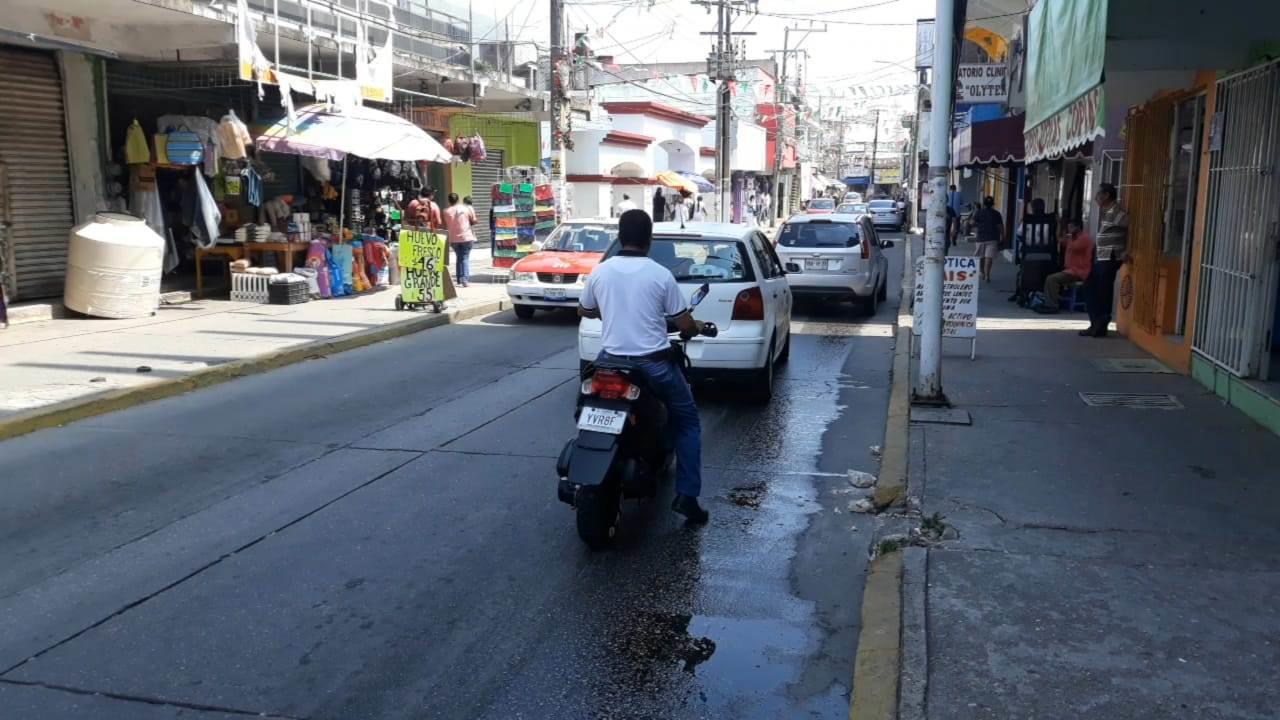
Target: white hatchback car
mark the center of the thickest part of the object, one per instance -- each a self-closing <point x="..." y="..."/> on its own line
<point x="835" y="257"/>
<point x="749" y="301"/>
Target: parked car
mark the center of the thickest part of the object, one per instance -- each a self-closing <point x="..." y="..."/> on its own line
<point x="553" y="276"/>
<point x="852" y="208"/>
<point x="835" y="257"/>
<point x="820" y="206"/>
<point x="885" y="213"/>
<point x="749" y="301"/>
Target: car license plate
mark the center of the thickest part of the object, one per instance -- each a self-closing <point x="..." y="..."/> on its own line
<point x="553" y="294"/>
<point x="602" y="420"/>
<point x="815" y="264"/>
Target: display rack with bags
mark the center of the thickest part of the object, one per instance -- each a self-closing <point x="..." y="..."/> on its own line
<point x="524" y="215"/>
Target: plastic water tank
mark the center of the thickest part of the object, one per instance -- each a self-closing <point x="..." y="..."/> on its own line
<point x="113" y="267"/>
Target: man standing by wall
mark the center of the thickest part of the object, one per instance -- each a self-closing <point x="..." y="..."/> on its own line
<point x="1112" y="250"/>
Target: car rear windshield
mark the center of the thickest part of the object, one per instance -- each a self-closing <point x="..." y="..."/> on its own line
<point x="581" y="237"/>
<point x="822" y="203"/>
<point x="851" y="209"/>
<point x="820" y="234"/>
<point x="881" y="205"/>
<point x="699" y="259"/>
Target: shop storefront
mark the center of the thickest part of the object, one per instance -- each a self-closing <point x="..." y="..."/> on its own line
<point x="229" y="181"/>
<point x="506" y="142"/>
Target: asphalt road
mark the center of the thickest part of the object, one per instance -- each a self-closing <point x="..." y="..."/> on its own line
<point x="376" y="535"/>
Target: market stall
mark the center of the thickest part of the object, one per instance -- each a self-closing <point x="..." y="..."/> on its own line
<point x="377" y="151"/>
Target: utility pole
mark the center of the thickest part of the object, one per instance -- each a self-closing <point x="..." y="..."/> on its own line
<point x="875" y="141"/>
<point x="840" y="153"/>
<point x="913" y="170"/>
<point x="928" y="389"/>
<point x="722" y="65"/>
<point x="560" y="141"/>
<point x="780" y="102"/>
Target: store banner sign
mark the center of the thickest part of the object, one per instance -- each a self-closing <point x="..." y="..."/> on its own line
<point x="1066" y="47"/>
<point x="978" y="83"/>
<point x="1080" y="122"/>
<point x="924" y="43"/>
<point x="421" y="266"/>
<point x="373" y="67"/>
<point x="889" y="176"/>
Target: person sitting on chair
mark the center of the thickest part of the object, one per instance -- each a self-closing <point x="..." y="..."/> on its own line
<point x="1077" y="254"/>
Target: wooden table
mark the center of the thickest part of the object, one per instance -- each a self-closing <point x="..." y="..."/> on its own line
<point x="285" y="252"/>
<point x="230" y="252"/>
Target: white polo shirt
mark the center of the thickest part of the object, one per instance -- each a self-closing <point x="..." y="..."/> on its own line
<point x="635" y="297"/>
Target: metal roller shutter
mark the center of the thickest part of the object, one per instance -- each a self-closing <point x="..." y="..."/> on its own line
<point x="483" y="175"/>
<point x="33" y="148"/>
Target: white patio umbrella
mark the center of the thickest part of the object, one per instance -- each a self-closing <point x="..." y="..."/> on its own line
<point x="334" y="133"/>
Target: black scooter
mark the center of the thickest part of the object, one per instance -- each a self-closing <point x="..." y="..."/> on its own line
<point x="622" y="448"/>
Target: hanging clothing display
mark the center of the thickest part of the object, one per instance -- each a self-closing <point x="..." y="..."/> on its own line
<point x="233" y="136"/>
<point x="253" y="186"/>
<point x="136" y="149"/>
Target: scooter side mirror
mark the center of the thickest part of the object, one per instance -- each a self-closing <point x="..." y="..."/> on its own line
<point x="699" y="295"/>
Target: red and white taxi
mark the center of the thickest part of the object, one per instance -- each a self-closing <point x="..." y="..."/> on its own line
<point x="553" y="276"/>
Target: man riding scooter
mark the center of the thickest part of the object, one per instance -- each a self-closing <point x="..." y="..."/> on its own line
<point x="635" y="298"/>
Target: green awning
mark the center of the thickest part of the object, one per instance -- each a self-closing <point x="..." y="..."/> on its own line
<point x="1066" y="47"/>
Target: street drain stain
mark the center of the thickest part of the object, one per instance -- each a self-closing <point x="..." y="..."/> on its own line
<point x="748" y="496"/>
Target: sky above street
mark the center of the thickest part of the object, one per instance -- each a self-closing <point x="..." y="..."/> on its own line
<point x="868" y="44"/>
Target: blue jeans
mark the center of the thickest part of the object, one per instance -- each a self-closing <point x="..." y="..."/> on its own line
<point x="463" y="251"/>
<point x="666" y="380"/>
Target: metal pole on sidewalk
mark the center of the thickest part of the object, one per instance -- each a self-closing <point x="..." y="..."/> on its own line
<point x="914" y="169"/>
<point x="875" y="142"/>
<point x="928" y="387"/>
<point x="559" y="101"/>
<point x="780" y="99"/>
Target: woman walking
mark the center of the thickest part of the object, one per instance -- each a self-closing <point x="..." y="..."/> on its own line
<point x="459" y="220"/>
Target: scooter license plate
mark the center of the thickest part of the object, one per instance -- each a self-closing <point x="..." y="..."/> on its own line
<point x="602" y="420"/>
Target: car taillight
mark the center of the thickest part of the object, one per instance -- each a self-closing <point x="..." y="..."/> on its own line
<point x="866" y="248"/>
<point x="609" y="386"/>
<point x="749" y="305"/>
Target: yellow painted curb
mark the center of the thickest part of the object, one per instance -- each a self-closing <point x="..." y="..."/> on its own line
<point x="99" y="404"/>
<point x="875" y="670"/>
<point x="892" y="486"/>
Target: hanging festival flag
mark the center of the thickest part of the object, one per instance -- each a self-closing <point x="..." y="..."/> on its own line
<point x="693" y="82"/>
<point x="733" y="87"/>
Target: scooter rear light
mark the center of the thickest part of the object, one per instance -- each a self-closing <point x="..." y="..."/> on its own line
<point x="749" y="305"/>
<point x="610" y="386"/>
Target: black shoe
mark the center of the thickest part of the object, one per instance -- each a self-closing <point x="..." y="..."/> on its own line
<point x="688" y="506"/>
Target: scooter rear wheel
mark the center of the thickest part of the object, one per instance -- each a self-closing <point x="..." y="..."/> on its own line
<point x="599" y="515"/>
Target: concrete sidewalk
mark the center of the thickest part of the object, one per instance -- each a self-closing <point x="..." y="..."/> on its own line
<point x="72" y="359"/>
<point x="1111" y="562"/>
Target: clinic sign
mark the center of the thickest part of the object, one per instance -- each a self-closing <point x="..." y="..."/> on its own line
<point x="959" y="299"/>
<point x="978" y="83"/>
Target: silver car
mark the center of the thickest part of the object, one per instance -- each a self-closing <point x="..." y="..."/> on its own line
<point x="837" y="257"/>
<point x="886" y="213"/>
